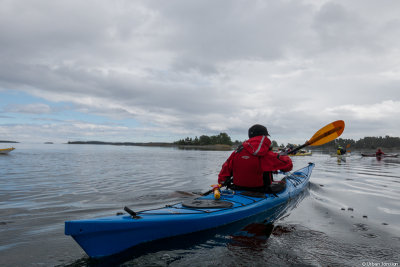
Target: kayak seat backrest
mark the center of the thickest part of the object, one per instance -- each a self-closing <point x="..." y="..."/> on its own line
<point x="207" y="204"/>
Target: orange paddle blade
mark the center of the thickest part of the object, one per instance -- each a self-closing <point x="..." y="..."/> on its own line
<point x="328" y="133"/>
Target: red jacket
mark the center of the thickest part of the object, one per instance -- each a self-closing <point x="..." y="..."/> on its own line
<point x="248" y="163"/>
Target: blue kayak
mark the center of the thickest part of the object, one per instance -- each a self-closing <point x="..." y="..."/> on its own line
<point x="106" y="236"/>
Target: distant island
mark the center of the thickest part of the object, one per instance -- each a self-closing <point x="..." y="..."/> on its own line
<point x="155" y="144"/>
<point x="3" y="141"/>
<point x="120" y="143"/>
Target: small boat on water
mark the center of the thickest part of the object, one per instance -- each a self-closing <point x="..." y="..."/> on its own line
<point x="6" y="150"/>
<point x="381" y="156"/>
<point x="302" y="153"/>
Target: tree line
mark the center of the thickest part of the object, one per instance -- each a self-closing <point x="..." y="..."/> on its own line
<point x="365" y="143"/>
<point x="221" y="139"/>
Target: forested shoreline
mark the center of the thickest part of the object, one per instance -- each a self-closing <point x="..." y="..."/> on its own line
<point x="203" y="140"/>
<point x="363" y="143"/>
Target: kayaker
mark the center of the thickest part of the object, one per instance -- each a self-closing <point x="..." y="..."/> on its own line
<point x="341" y="150"/>
<point x="379" y="153"/>
<point x="253" y="163"/>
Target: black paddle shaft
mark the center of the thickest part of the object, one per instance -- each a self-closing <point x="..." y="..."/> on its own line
<point x="313" y="140"/>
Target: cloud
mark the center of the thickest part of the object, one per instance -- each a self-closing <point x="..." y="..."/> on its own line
<point x="191" y="68"/>
<point x="373" y="113"/>
<point x="37" y="108"/>
<point x="203" y="37"/>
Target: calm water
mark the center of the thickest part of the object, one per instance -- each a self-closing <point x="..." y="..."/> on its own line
<point x="350" y="216"/>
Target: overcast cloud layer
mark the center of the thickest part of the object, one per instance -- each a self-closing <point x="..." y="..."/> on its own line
<point x="164" y="70"/>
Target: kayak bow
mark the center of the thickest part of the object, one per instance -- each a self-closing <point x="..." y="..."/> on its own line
<point x="6" y="150"/>
<point x="111" y="235"/>
<point x="308" y="153"/>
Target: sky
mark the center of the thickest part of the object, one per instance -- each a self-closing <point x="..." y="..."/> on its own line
<point x="159" y="71"/>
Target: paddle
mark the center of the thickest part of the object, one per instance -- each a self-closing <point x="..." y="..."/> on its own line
<point x="324" y="135"/>
<point x="347" y="148"/>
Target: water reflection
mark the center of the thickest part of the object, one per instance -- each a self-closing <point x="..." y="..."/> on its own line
<point x="252" y="236"/>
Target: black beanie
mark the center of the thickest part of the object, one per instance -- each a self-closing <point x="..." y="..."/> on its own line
<point x="257" y="130"/>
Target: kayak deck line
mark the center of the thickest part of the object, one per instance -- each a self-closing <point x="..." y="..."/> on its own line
<point x="106" y="236"/>
<point x="293" y="178"/>
<point x="178" y="206"/>
<point x="224" y="193"/>
<point x="296" y="180"/>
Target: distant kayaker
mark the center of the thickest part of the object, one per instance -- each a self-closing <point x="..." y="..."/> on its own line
<point x="379" y="153"/>
<point x="253" y="163"/>
<point x="341" y="150"/>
